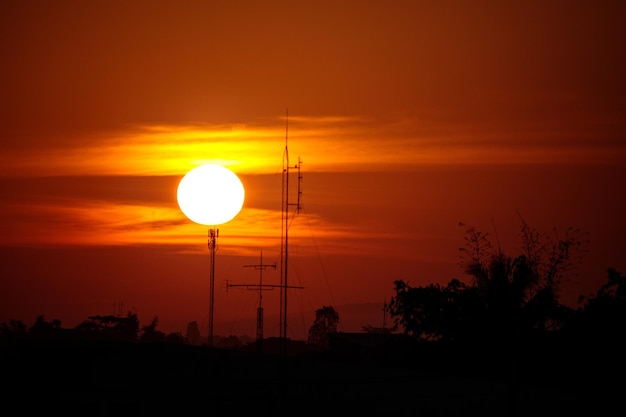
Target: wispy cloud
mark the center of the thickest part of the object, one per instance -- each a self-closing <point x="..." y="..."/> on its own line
<point x="89" y="222"/>
<point x="327" y="144"/>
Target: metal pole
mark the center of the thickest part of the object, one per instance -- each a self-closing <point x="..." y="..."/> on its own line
<point x="213" y="234"/>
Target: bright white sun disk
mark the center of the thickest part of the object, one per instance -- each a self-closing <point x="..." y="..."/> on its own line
<point x="210" y="194"/>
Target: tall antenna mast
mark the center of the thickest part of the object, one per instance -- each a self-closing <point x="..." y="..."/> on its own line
<point x="284" y="249"/>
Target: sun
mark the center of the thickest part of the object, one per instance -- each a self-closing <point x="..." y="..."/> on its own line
<point x="210" y="194"/>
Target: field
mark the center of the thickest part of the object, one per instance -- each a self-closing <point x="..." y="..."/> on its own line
<point x="136" y="379"/>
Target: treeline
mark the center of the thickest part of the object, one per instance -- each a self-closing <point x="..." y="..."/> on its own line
<point x="507" y="322"/>
<point x="98" y="328"/>
<point x="110" y="328"/>
<point x="510" y="297"/>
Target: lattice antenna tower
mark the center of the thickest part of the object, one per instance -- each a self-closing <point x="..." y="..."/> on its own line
<point x="284" y="248"/>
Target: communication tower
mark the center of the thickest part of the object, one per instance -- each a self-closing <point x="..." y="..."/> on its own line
<point x="260" y="287"/>
<point x="285" y="220"/>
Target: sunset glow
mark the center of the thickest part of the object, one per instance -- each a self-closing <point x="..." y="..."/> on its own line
<point x="405" y="118"/>
<point x="335" y="145"/>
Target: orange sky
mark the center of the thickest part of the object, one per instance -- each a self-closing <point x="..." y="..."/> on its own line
<point x="409" y="117"/>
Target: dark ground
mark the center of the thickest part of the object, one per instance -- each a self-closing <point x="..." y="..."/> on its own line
<point x="139" y="379"/>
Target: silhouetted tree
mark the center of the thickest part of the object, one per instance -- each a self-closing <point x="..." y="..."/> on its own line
<point x="507" y="295"/>
<point x="326" y="321"/>
<point x="112" y="328"/>
<point x="149" y="333"/>
<point x="175" y="338"/>
<point x="522" y="292"/>
<point x="192" y="336"/>
<point x="228" y="342"/>
<point x="603" y="314"/>
<point x="44" y="329"/>
<point x="434" y="312"/>
<point x="12" y="331"/>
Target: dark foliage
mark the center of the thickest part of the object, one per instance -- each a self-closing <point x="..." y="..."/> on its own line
<point x="507" y="296"/>
<point x="505" y="326"/>
<point x="110" y="327"/>
<point x="149" y="333"/>
<point x="602" y="316"/>
<point x="326" y="322"/>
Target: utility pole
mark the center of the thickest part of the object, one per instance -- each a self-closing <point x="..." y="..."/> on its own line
<point x="260" y="287"/>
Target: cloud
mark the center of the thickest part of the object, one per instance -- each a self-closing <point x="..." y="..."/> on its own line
<point x="326" y="144"/>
